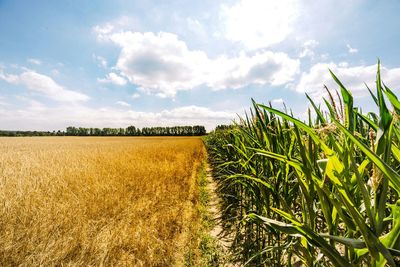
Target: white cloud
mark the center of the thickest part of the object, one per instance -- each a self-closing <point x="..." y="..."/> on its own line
<point x="10" y="78"/>
<point x="136" y="96"/>
<point x="353" y="77"/>
<point x="259" y="23"/>
<point x="195" y="112"/>
<point x="114" y="79"/>
<point x="308" y="49"/>
<point x="102" y="31"/>
<point x="35" y="116"/>
<point x="123" y="22"/>
<point x="34" y="61"/>
<point x="123" y="103"/>
<point x="32" y="105"/>
<point x="351" y="50"/>
<point x="162" y="65"/>
<point x="45" y="85"/>
<point x="262" y="68"/>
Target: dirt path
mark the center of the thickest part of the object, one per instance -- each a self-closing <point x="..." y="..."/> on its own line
<point x="214" y="208"/>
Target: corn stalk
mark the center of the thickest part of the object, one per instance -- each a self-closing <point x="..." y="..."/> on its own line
<point x="321" y="193"/>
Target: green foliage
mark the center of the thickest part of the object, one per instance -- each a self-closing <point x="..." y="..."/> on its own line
<point x="321" y="193"/>
<point x="133" y="131"/>
<point x="196" y="130"/>
<point x="31" y="133"/>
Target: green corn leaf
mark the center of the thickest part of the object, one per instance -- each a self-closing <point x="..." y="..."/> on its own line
<point x="372" y="95"/>
<point x="392" y="98"/>
<point x="297" y="228"/>
<point x="396" y="152"/>
<point x="250" y="178"/>
<point x="351" y="242"/>
<point x="363" y="188"/>
<point x="359" y="243"/>
<point x="330" y="108"/>
<point x="317" y="110"/>
<point x="385" y="116"/>
<point x="294" y="163"/>
<point x="393" y="176"/>
<point x="334" y="169"/>
<point x="368" y="121"/>
<point x="392" y="239"/>
<point x="372" y="242"/>
<point x="348" y="101"/>
<point x="303" y="126"/>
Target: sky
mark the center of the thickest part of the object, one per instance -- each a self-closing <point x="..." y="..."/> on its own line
<point x="163" y="63"/>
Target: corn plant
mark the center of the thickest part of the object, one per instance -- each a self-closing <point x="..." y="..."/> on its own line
<point x="321" y="192"/>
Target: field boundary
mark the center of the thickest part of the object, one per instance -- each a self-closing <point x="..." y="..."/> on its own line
<point x="214" y="249"/>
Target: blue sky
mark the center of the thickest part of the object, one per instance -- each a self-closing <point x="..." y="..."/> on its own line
<point x="147" y="63"/>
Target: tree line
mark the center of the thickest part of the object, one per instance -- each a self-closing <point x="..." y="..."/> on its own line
<point x="196" y="130"/>
<point x="31" y="133"/>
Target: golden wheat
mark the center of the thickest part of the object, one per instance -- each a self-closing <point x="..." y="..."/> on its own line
<point x="98" y="201"/>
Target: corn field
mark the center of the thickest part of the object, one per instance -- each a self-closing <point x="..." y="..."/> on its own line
<point x="324" y="192"/>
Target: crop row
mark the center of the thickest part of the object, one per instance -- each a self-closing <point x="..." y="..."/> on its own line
<point x="324" y="192"/>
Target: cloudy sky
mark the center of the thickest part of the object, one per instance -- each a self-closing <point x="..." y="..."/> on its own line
<point x="146" y="63"/>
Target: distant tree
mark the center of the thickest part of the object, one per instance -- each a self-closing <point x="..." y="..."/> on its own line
<point x="131" y="130"/>
<point x="72" y="131"/>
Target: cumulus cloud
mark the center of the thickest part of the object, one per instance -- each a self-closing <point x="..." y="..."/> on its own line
<point x="159" y="63"/>
<point x="257" y="24"/>
<point x="353" y="77"/>
<point x="162" y="65"/>
<point x="113" y="78"/>
<point x="263" y="68"/>
<point x="351" y="50"/>
<point x="44" y="85"/>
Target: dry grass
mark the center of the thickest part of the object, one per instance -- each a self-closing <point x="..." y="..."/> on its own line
<point x="98" y="201"/>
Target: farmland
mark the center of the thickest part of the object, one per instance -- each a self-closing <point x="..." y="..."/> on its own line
<point x="96" y="201"/>
<point x="322" y="191"/>
<point x="318" y="192"/>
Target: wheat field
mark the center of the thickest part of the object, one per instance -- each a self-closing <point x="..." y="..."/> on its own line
<point x="115" y="201"/>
